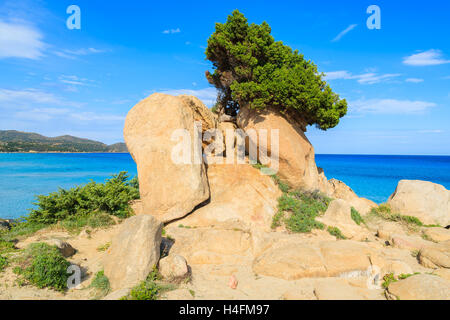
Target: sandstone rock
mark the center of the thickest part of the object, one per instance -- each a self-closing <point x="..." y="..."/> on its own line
<point x="443" y="273"/>
<point x="173" y="268"/>
<point x="134" y="251"/>
<point x="339" y="190"/>
<point x="291" y="260"/>
<point x="411" y="243"/>
<point x="117" y="295"/>
<point x="241" y="197"/>
<point x="437" y="234"/>
<point x="65" y="248"/>
<point x="339" y="289"/>
<point x="210" y="246"/>
<point x="429" y="202"/>
<point x="296" y="154"/>
<point x="420" y="287"/>
<point x="387" y="229"/>
<point x="397" y="267"/>
<point x="436" y="256"/>
<point x="338" y="215"/>
<point x="170" y="188"/>
<point x="178" y="294"/>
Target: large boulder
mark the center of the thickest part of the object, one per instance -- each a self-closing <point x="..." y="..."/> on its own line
<point x="134" y="251"/>
<point x="169" y="188"/>
<point x="420" y="287"/>
<point x="297" y="165"/>
<point x="429" y="202"/>
<point x="241" y="197"/>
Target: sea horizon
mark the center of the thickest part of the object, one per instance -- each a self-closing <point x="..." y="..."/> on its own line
<point x="372" y="176"/>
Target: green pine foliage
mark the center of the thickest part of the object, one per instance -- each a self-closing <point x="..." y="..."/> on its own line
<point x="252" y="69"/>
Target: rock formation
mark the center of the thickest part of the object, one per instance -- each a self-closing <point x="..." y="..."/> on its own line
<point x="427" y="201"/>
<point x="169" y="189"/>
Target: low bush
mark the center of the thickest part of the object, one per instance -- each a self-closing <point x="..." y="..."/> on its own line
<point x="148" y="289"/>
<point x="111" y="197"/>
<point x="43" y="266"/>
<point x="384" y="211"/>
<point x="302" y="208"/>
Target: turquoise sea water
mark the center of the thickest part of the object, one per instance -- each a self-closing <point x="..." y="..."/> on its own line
<point x="22" y="176"/>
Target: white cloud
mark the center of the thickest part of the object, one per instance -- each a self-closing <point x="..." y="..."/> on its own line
<point x="365" y="78"/>
<point x="171" y="31"/>
<point x="207" y="95"/>
<point x="19" y="40"/>
<point x="427" y="58"/>
<point x="390" y="106"/>
<point x="75" y="80"/>
<point x="91" y="116"/>
<point x="72" y="54"/>
<point x="344" y="32"/>
<point x="414" y="80"/>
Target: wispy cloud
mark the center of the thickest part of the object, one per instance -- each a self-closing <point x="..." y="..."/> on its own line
<point x="390" y="106"/>
<point x="73" y="54"/>
<point x="75" y="80"/>
<point x="20" y="40"/>
<point x="365" y="78"/>
<point x="171" y="31"/>
<point x="427" y="58"/>
<point x="344" y="32"/>
<point x="414" y="80"/>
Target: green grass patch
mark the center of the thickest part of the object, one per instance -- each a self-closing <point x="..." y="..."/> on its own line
<point x="384" y="211"/>
<point x="3" y="263"/>
<point x="335" y="231"/>
<point x="407" y="275"/>
<point x="43" y="266"/>
<point x="101" y="284"/>
<point x="356" y="216"/>
<point x="104" y="247"/>
<point x="301" y="208"/>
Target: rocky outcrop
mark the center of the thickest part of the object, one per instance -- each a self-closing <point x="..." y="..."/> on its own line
<point x="297" y="165"/>
<point x="241" y="197"/>
<point x="171" y="186"/>
<point x="427" y="201"/>
<point x="436" y="256"/>
<point x="134" y="252"/>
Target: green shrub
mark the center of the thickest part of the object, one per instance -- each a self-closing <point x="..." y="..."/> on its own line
<point x="101" y="284"/>
<point x="43" y="266"/>
<point x="302" y="207"/>
<point x="111" y="197"/>
<point x="335" y="231"/>
<point x="6" y="246"/>
<point x="356" y="216"/>
<point x="148" y="289"/>
<point x="3" y="262"/>
<point x="407" y="275"/>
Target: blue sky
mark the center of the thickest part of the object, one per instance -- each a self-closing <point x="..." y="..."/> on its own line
<point x="58" y="81"/>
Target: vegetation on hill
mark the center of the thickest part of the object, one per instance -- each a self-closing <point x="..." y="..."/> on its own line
<point x="252" y="69"/>
<point x="16" y="141"/>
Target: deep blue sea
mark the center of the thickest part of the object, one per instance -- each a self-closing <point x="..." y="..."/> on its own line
<point x="22" y="176"/>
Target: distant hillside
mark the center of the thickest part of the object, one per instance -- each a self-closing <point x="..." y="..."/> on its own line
<point x="16" y="141"/>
